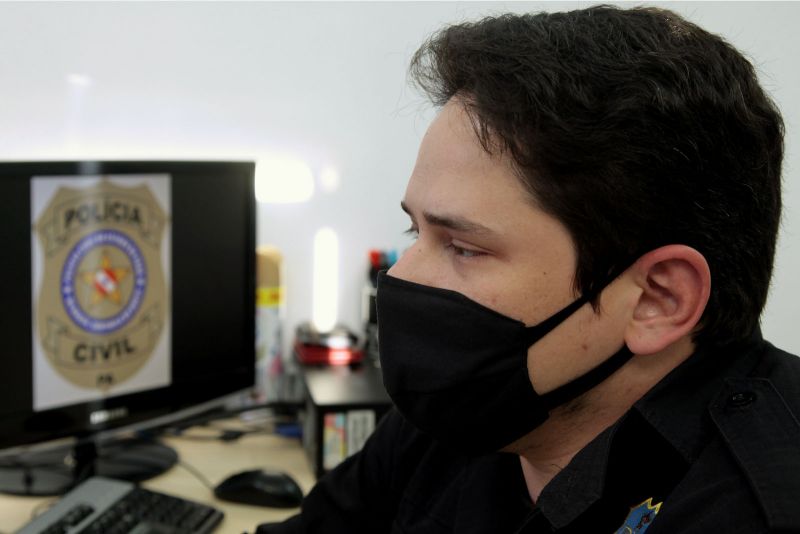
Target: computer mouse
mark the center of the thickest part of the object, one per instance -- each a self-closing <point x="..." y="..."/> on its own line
<point x="273" y="489"/>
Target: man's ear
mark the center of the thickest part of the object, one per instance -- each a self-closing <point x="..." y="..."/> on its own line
<point x="675" y="283"/>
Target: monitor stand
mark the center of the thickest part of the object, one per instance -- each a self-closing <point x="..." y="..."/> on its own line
<point x="55" y="471"/>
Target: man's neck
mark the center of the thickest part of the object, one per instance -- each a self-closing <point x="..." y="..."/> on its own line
<point x="550" y="447"/>
<point x="568" y="430"/>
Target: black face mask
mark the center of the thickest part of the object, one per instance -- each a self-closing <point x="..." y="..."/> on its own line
<point x="458" y="371"/>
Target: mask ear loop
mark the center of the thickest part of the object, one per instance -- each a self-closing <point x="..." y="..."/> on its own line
<point x="537" y="332"/>
<point x="582" y="384"/>
<point x="590" y="379"/>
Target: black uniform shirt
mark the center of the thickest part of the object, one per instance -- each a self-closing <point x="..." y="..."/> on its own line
<point x="714" y="447"/>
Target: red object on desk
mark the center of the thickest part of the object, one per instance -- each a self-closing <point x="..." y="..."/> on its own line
<point x="310" y="354"/>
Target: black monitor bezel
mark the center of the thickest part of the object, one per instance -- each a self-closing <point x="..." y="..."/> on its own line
<point x="32" y="428"/>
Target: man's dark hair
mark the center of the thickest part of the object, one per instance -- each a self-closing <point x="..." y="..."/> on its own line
<point x="634" y="128"/>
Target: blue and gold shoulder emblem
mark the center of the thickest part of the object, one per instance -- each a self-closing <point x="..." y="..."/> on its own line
<point x="640" y="518"/>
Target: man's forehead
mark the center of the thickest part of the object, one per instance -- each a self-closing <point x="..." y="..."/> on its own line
<point x="452" y="144"/>
<point x="450" y="138"/>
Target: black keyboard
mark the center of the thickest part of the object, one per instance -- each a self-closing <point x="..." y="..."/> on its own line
<point x="105" y="506"/>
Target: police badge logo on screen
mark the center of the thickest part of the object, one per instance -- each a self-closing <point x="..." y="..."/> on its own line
<point x="100" y="298"/>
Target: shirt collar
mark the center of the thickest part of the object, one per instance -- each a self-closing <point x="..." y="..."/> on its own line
<point x="576" y="487"/>
<point x="676" y="408"/>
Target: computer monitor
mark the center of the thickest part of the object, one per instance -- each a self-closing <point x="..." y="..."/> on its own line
<point x="128" y="296"/>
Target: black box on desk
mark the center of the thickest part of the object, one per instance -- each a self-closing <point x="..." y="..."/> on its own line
<point x="343" y="406"/>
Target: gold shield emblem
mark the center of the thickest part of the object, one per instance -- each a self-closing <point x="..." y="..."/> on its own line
<point x="103" y="298"/>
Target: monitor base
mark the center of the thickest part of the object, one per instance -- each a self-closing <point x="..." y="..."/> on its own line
<point x="55" y="471"/>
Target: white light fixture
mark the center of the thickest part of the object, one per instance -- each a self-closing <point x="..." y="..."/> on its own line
<point x="329" y="180"/>
<point x="79" y="80"/>
<point x="283" y="180"/>
<point x="325" y="297"/>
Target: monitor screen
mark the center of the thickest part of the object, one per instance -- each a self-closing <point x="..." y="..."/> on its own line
<point x="128" y="292"/>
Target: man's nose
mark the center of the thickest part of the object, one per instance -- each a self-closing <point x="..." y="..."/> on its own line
<point x="416" y="264"/>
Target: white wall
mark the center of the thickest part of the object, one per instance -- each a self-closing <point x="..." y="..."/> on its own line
<point x="324" y="82"/>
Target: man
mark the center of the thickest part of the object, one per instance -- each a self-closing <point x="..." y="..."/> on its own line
<point x="572" y="342"/>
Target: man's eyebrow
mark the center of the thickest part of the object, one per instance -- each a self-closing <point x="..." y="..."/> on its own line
<point x="458" y="224"/>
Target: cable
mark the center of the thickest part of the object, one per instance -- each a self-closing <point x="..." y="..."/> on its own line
<point x="224" y="434"/>
<point x="288" y="409"/>
<point x="259" y="423"/>
<point x="196" y="472"/>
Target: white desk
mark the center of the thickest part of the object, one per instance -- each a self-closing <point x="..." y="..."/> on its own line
<point x="215" y="460"/>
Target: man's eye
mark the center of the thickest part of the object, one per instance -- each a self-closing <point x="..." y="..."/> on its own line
<point x="464" y="252"/>
<point x="412" y="232"/>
